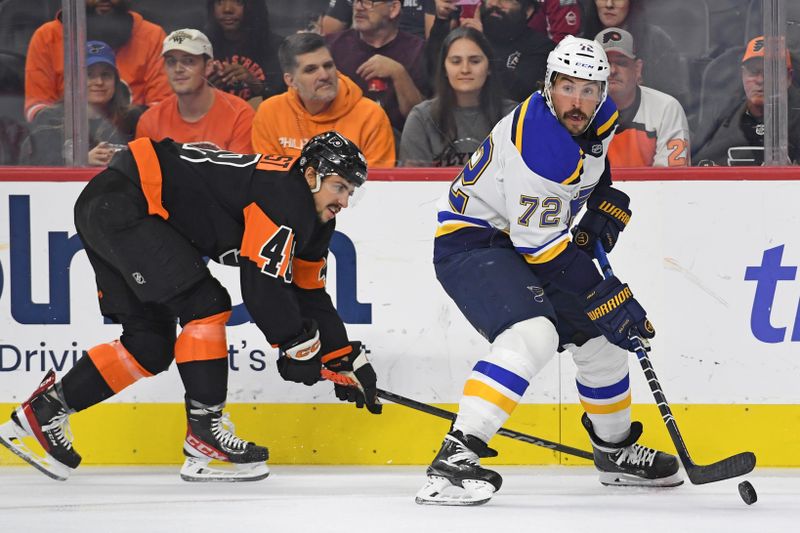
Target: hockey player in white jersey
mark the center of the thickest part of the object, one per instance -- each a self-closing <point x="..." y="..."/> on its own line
<point x="505" y="254"/>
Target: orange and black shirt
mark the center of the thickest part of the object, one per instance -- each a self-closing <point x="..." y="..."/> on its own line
<point x="251" y="210"/>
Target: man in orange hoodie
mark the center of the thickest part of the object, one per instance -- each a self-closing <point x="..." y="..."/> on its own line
<point x="136" y="43"/>
<point x="320" y="99"/>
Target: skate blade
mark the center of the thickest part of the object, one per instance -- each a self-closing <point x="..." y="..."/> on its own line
<point x="439" y="491"/>
<point x="11" y="436"/>
<point x="199" y="470"/>
<point x="619" y="479"/>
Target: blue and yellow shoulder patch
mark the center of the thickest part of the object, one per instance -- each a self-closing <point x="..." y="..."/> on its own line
<point x="545" y="146"/>
<point x="606" y="119"/>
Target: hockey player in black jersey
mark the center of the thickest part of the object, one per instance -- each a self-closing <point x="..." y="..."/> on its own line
<point x="146" y="223"/>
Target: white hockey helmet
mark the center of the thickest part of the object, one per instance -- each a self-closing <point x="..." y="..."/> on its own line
<point x="580" y="58"/>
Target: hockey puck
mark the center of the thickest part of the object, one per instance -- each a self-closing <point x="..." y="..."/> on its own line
<point x="748" y="493"/>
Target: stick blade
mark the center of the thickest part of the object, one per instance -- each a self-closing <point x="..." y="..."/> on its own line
<point x="734" y="466"/>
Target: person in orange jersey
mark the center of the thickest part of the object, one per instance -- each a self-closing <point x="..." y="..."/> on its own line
<point x="147" y="222"/>
<point x="196" y="112"/>
<point x="135" y="41"/>
<point x="319" y="99"/>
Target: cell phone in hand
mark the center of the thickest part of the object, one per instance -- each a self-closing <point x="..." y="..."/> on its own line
<point x="467" y="2"/>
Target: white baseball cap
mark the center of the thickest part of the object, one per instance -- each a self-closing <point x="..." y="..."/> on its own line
<point x="188" y="40"/>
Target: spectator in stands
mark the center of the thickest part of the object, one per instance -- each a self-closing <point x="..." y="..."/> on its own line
<point x="388" y="64"/>
<point x="519" y="53"/>
<point x="735" y="136"/>
<point x="557" y="19"/>
<point x="339" y="16"/>
<point x="663" y="69"/>
<point x="445" y="130"/>
<point x="245" y="49"/>
<point x="554" y="18"/>
<point x="320" y="99"/>
<point x="196" y="112"/>
<point x="136" y="42"/>
<point x="653" y="130"/>
<point x="112" y="120"/>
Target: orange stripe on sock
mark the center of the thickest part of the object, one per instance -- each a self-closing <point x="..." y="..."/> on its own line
<point x="595" y="409"/>
<point x="117" y="365"/>
<point x="203" y="339"/>
<point x="149" y="175"/>
<point x="482" y="390"/>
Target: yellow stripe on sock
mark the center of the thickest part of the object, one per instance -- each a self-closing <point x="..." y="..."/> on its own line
<point x="485" y="392"/>
<point x="594" y="409"/>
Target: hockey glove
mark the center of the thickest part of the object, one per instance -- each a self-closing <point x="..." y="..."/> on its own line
<point x="298" y="359"/>
<point x="606" y="215"/>
<point x="355" y="379"/>
<point x="612" y="308"/>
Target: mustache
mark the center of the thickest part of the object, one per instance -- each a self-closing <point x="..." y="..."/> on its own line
<point x="580" y="114"/>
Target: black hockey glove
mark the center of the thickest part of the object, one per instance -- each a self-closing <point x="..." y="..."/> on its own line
<point x="298" y="359"/>
<point x="357" y="380"/>
<point x="616" y="313"/>
<point x="606" y="215"/>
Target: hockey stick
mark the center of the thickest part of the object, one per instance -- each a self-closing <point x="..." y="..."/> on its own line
<point x="449" y="415"/>
<point x="736" y="465"/>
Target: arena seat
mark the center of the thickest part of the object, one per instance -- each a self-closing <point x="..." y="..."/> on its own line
<point x="20" y="18"/>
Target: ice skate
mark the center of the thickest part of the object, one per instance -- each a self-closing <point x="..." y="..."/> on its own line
<point x="210" y="436"/>
<point x="43" y="417"/>
<point x="630" y="464"/>
<point x="455" y="477"/>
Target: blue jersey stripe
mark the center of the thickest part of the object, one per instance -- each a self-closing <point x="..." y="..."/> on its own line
<point x="536" y="249"/>
<point x="444" y="216"/>
<point x="604" y="393"/>
<point x="506" y="378"/>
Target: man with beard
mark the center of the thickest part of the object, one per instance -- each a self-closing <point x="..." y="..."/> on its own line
<point x="503" y="252"/>
<point x="519" y="52"/>
<point x="197" y="112"/>
<point x="388" y="64"/>
<point x="136" y="43"/>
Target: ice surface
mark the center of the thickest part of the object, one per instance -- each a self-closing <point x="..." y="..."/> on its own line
<point x="381" y="500"/>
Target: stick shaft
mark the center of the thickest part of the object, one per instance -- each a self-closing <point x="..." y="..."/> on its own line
<point x="510" y="433"/>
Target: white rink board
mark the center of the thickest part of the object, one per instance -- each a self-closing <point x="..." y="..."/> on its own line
<point x="684" y="255"/>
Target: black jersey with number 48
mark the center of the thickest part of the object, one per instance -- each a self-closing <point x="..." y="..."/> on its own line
<point x="253" y="210"/>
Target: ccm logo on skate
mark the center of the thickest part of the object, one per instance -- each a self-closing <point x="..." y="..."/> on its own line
<point x="205" y="449"/>
<point x="64" y="245"/>
<point x="767" y="275"/>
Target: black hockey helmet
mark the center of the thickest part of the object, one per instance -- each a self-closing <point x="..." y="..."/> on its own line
<point x="332" y="153"/>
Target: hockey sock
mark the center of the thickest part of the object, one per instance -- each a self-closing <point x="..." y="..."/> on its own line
<point x="201" y="352"/>
<point x="491" y="393"/>
<point x="205" y="381"/>
<point x="497" y="383"/>
<point x="83" y="386"/>
<point x="604" y="387"/>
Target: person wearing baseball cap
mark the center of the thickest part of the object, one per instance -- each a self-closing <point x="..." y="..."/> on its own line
<point x="196" y="112"/>
<point x="735" y="136"/>
<point x="653" y="129"/>
<point x="112" y="118"/>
